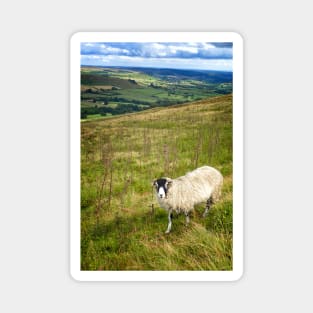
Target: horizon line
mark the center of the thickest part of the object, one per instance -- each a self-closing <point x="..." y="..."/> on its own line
<point x="155" y="67"/>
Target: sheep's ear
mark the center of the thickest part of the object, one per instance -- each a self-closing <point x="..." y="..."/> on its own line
<point x="154" y="183"/>
<point x="169" y="182"/>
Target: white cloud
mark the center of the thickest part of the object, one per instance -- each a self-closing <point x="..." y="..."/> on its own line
<point x="207" y="46"/>
<point x="112" y="50"/>
<point x="175" y="49"/>
<point x="115" y="60"/>
<point x="177" y="55"/>
<point x="154" y="50"/>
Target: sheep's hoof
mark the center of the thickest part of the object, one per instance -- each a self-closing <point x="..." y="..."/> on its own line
<point x="167" y="232"/>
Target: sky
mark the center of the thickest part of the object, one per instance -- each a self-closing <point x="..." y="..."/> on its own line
<point x="192" y="55"/>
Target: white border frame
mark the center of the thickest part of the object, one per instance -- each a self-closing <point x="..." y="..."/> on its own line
<point x="75" y="263"/>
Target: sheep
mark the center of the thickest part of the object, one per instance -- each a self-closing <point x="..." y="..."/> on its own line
<point x="183" y="193"/>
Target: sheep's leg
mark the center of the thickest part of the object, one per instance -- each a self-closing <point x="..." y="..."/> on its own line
<point x="207" y="207"/>
<point x="169" y="226"/>
<point x="187" y="218"/>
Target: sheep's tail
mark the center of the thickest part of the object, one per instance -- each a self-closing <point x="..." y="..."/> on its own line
<point x="217" y="193"/>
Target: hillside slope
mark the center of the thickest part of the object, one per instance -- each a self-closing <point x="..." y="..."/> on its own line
<point x="122" y="227"/>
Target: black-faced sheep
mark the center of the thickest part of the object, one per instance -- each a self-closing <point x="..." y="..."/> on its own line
<point x="183" y="193"/>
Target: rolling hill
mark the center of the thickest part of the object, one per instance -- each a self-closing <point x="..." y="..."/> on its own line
<point x="109" y="91"/>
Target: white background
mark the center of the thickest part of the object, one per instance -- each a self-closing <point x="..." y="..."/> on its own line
<point x="34" y="156"/>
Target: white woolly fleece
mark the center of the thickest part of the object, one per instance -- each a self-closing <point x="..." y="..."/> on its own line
<point x="193" y="188"/>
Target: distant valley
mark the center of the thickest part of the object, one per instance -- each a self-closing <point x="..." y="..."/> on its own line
<point x="107" y="91"/>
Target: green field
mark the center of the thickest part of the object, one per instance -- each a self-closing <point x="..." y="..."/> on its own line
<point x="122" y="226"/>
<point x="137" y="89"/>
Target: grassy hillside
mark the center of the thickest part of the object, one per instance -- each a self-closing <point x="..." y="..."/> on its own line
<point x="104" y="80"/>
<point x="122" y="227"/>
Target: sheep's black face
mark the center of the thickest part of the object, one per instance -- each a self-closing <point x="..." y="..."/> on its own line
<point x="161" y="186"/>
